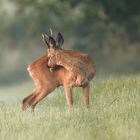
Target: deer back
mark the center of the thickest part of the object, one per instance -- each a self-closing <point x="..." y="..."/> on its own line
<point x="43" y="77"/>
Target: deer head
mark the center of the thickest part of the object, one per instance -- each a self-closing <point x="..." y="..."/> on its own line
<point x="53" y="46"/>
<point x="59" y="41"/>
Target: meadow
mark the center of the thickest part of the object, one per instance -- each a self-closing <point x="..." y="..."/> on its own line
<point x="114" y="112"/>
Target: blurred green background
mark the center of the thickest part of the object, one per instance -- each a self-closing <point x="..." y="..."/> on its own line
<point x="109" y="30"/>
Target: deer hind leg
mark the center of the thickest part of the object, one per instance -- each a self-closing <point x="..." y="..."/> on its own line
<point x="69" y="98"/>
<point x="26" y="100"/>
<point x="86" y="95"/>
<point x="41" y="95"/>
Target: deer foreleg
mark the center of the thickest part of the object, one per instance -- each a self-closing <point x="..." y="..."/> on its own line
<point x="86" y="95"/>
<point x="68" y="94"/>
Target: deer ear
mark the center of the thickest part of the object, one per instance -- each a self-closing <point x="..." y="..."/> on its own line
<point x="52" y="42"/>
<point x="59" y="40"/>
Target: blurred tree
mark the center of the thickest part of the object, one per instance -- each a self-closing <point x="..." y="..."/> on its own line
<point x="81" y="18"/>
<point x="125" y="13"/>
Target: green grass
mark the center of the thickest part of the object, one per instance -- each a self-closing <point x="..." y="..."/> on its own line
<point x="114" y="114"/>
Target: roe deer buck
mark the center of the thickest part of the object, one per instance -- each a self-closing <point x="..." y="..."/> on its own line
<point x="46" y="81"/>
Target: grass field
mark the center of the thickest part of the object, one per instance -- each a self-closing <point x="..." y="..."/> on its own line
<point x="114" y="113"/>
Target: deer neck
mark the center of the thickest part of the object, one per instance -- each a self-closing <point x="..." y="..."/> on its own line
<point x="63" y="59"/>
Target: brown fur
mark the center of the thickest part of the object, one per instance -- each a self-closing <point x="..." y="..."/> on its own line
<point x="80" y="65"/>
<point x="46" y="82"/>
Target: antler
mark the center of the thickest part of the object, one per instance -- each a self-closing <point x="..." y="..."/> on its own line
<point x="51" y="32"/>
<point x="45" y="39"/>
